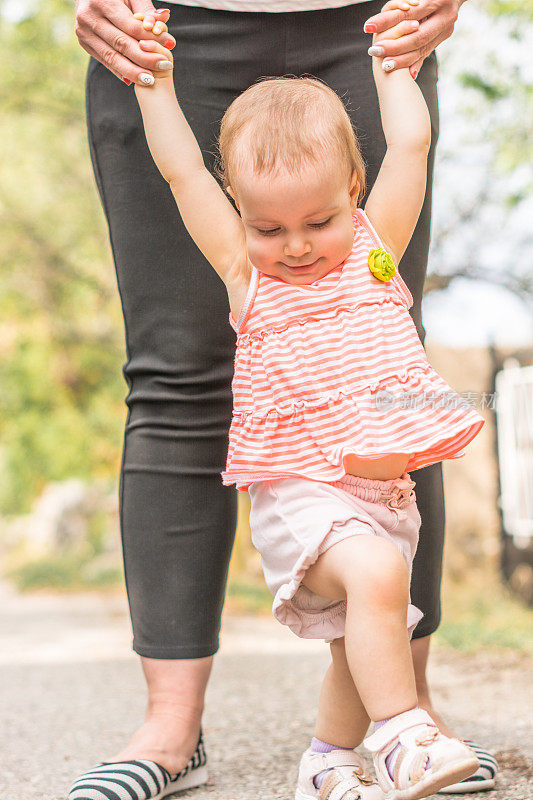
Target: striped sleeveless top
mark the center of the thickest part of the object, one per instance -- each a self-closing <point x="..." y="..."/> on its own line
<point x="336" y="368"/>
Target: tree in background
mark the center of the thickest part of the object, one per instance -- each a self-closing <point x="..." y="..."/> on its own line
<point x="483" y="204"/>
<point x="61" y="340"/>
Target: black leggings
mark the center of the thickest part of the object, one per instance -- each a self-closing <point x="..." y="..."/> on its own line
<point x="177" y="518"/>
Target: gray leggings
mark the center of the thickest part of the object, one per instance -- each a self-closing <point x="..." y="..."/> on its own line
<point x="177" y="518"/>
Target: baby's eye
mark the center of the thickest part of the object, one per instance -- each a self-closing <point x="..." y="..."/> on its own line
<point x="320" y="224"/>
<point x="268" y="231"/>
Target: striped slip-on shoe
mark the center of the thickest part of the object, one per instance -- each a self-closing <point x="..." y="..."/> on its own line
<point x="139" y="780"/>
<point x="482" y="780"/>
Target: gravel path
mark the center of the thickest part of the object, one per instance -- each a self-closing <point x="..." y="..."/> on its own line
<point x="71" y="692"/>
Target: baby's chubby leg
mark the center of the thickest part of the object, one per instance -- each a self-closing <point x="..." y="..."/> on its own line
<point x="342" y="717"/>
<point x="373" y="577"/>
<point x="411" y="758"/>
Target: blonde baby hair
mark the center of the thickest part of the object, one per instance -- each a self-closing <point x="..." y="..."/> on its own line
<point x="287" y="123"/>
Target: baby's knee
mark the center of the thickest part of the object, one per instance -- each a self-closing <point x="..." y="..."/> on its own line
<point x="383" y="579"/>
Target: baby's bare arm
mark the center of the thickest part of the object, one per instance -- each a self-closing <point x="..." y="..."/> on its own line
<point x="206" y="212"/>
<point x="396" y="198"/>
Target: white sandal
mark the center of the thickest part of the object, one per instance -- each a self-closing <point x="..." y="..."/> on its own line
<point x="483" y="779"/>
<point x="348" y="780"/>
<point x="450" y="760"/>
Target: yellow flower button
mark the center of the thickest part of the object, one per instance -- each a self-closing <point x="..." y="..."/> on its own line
<point x="381" y="264"/>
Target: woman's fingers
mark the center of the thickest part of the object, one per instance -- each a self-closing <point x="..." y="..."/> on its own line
<point x="109" y="32"/>
<point x="402" y="30"/>
<point x="414" y="69"/>
<point x="409" y="50"/>
<point x="400" y="5"/>
<point x="442" y="13"/>
<point x="163" y="60"/>
<point x="389" y="18"/>
<point x="146" y="7"/>
<point x="159" y="52"/>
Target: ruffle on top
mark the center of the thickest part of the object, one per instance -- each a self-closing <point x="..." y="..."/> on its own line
<point x="417" y="414"/>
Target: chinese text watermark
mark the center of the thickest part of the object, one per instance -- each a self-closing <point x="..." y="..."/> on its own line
<point x="385" y="399"/>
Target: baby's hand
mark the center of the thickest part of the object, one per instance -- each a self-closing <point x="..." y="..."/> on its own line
<point x="163" y="67"/>
<point x="151" y="24"/>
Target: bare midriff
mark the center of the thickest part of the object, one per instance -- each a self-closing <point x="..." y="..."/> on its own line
<point x="379" y="469"/>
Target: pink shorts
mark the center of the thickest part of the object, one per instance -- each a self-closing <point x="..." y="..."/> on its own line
<point x="294" y="520"/>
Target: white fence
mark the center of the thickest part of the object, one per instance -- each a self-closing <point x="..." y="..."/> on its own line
<point x="514" y="412"/>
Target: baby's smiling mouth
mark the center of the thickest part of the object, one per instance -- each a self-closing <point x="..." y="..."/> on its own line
<point x="301" y="266"/>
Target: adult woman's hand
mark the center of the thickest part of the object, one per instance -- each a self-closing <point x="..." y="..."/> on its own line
<point x="109" y="31"/>
<point x="436" y="22"/>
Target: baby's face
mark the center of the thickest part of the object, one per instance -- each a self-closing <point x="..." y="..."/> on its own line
<point x="298" y="227"/>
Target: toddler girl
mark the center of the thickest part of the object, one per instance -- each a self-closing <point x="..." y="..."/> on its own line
<point x="334" y="399"/>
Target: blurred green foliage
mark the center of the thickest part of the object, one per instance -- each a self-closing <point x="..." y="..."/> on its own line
<point x="65" y="571"/>
<point x="483" y="614"/>
<point x="61" y="340"/>
<point x="503" y="88"/>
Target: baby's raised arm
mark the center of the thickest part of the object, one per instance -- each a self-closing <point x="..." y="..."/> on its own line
<point x="207" y="214"/>
<point x="395" y="201"/>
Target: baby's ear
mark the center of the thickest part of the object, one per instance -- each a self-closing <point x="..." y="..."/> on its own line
<point x="233" y="196"/>
<point x="354" y="190"/>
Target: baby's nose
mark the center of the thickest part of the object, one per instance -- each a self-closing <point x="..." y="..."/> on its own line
<point x="297" y="247"/>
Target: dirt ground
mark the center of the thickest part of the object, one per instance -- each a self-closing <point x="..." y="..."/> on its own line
<point x="71" y="692"/>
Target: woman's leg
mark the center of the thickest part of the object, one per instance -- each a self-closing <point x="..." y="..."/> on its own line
<point x="177" y="518"/>
<point x="420" y="651"/>
<point x="169" y="733"/>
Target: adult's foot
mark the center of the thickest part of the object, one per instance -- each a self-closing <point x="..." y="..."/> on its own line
<point x="168" y="742"/>
<point x="169" y="734"/>
<point x="140" y="779"/>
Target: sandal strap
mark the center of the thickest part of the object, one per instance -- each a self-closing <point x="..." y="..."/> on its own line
<point x="390" y="731"/>
<point x="336" y="758"/>
<point x="337" y="787"/>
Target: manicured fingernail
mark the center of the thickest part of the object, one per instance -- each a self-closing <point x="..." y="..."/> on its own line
<point x="126" y="81"/>
<point x="388" y="65"/>
<point x="370" y="27"/>
<point x="376" y="50"/>
<point x="139" y="15"/>
<point x="148" y="80"/>
<point x="164" y="65"/>
<point x="170" y="45"/>
<point x="414" y="74"/>
<point x="159" y="27"/>
<point x="147" y="25"/>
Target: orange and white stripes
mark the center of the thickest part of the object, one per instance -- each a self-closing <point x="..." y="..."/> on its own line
<point x="336" y="368"/>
